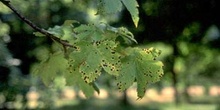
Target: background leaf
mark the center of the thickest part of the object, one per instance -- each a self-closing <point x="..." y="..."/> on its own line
<point x="132" y="7"/>
<point x="109" y="7"/>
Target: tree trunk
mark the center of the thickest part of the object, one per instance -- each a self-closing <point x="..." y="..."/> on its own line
<point x="124" y="100"/>
<point x="174" y="73"/>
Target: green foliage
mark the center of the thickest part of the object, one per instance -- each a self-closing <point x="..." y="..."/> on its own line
<point x="96" y="50"/>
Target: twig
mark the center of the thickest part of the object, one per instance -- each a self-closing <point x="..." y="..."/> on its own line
<point x="63" y="42"/>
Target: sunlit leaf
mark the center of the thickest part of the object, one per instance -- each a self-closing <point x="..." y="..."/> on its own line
<point x="67" y="31"/>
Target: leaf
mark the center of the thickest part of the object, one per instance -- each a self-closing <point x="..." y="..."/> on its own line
<point x="141" y="66"/>
<point x="88" y="32"/>
<point x="67" y="31"/>
<point x="87" y="59"/>
<point x="38" y="34"/>
<point x="132" y="7"/>
<point x="90" y="58"/>
<point x="109" y="7"/>
<point x="56" y="31"/>
<point x="69" y="22"/>
<point x="126" y="35"/>
<point x="112" y="33"/>
<point x="73" y="77"/>
<point x="49" y="68"/>
<point x="110" y="58"/>
<point x="95" y="86"/>
<point x="64" y="32"/>
<point x="127" y="74"/>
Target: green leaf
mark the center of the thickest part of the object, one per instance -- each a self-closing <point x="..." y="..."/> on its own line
<point x="112" y="33"/>
<point x="56" y="31"/>
<point x="88" y="32"/>
<point x="126" y="35"/>
<point x="90" y="58"/>
<point x="67" y="31"/>
<point x="132" y="7"/>
<point x="110" y="58"/>
<point x="73" y="77"/>
<point x="139" y="65"/>
<point x="87" y="60"/>
<point x="95" y="86"/>
<point x="87" y="89"/>
<point x="54" y="65"/>
<point x="69" y="22"/>
<point x="109" y="7"/>
<point x="64" y="32"/>
<point x="38" y="34"/>
<point x="127" y="74"/>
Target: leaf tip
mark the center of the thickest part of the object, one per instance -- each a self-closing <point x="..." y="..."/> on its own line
<point x="136" y="20"/>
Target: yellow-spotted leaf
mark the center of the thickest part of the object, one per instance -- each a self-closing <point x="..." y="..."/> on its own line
<point x="140" y="66"/>
<point x="74" y="77"/>
<point x="87" y="60"/>
<point x="110" y="60"/>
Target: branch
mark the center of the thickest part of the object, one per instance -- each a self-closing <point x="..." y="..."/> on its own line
<point x="63" y="42"/>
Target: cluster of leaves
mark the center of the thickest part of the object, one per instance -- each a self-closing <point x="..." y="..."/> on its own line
<point x="96" y="49"/>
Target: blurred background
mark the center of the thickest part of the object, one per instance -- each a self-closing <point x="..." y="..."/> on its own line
<point x="187" y="32"/>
